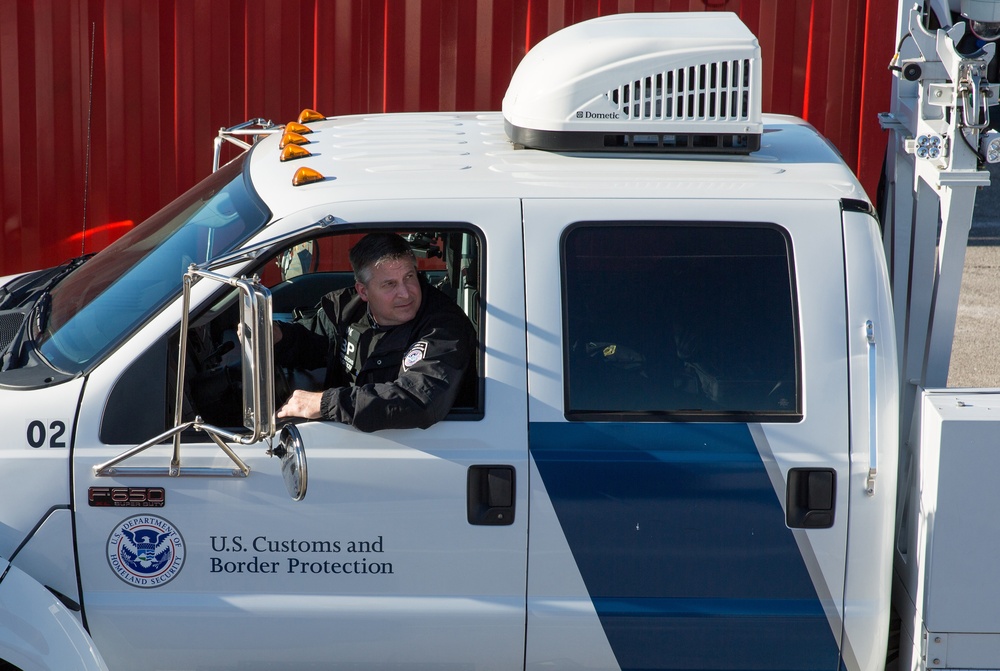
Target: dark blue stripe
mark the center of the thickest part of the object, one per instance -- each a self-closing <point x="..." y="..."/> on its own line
<point x="761" y="608"/>
<point x="681" y="541"/>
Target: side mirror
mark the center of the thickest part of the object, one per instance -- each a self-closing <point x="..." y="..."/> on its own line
<point x="292" y="452"/>
<point x="257" y="350"/>
<point x="256" y="345"/>
<point x="257" y="353"/>
<point x="297" y="260"/>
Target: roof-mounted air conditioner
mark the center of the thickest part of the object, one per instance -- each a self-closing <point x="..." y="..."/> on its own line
<point x="670" y="82"/>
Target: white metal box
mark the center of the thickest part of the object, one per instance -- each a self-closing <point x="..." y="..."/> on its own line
<point x="957" y="567"/>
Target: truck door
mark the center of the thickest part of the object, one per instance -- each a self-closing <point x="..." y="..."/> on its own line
<point x="408" y="550"/>
<point x="689" y="435"/>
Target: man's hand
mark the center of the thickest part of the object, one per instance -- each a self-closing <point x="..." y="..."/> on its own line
<point x="302" y="404"/>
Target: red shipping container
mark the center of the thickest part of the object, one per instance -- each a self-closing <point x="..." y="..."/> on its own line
<point x="108" y="108"/>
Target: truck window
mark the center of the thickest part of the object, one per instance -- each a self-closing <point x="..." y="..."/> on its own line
<point x="298" y="276"/>
<point x="679" y="322"/>
<point x="449" y="260"/>
<point x="103" y="301"/>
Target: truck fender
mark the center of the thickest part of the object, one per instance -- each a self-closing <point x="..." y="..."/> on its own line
<point x="37" y="632"/>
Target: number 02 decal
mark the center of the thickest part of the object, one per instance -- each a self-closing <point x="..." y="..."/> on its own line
<point x="46" y="433"/>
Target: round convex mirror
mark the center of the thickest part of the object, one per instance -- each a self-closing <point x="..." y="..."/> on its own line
<point x="293" y="462"/>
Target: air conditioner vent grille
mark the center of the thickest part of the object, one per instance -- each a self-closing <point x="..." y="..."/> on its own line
<point x="709" y="91"/>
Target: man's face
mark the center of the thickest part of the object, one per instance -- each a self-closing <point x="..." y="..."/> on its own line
<point x="392" y="292"/>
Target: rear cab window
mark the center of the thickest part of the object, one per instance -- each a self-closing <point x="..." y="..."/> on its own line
<point x="674" y="321"/>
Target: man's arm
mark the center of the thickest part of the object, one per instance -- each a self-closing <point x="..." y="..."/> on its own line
<point x="426" y="385"/>
<point x="421" y="395"/>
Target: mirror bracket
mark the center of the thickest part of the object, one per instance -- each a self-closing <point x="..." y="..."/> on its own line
<point x="257" y="353"/>
<point x="110" y="468"/>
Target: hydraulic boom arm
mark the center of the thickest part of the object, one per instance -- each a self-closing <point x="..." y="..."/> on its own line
<point x="939" y="139"/>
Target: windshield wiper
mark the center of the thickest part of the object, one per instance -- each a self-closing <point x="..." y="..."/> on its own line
<point x="31" y="297"/>
<point x="43" y="306"/>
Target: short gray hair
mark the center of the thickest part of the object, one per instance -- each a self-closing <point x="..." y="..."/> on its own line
<point x="375" y="249"/>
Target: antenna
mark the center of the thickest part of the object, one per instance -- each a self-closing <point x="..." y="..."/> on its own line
<point x="86" y="167"/>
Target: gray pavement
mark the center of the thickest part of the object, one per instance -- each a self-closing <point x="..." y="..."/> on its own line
<point x="975" y="357"/>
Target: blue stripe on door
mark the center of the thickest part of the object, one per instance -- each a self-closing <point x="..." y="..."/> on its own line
<point x="681" y="541"/>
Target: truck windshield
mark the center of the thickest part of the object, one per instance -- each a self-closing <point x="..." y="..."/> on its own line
<point x="100" y="303"/>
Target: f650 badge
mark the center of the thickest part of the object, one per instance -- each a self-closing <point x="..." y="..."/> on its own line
<point x="145" y="551"/>
<point x="126" y="497"/>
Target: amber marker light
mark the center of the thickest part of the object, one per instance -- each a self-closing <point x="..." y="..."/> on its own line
<point x="295" y="127"/>
<point x="293" y="151"/>
<point x="291" y="138"/>
<point x="308" y="115"/>
<point x="306" y="176"/>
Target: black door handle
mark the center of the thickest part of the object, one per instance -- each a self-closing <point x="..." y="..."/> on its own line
<point x="809" y="501"/>
<point x="491" y="495"/>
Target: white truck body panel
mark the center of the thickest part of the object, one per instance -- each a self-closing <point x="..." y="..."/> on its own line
<point x="436" y="588"/>
<point x="44" y="555"/>
<point x="466" y="155"/>
<point x="35" y="461"/>
<point x="37" y="632"/>
<point x="825" y="430"/>
<point x="868" y="299"/>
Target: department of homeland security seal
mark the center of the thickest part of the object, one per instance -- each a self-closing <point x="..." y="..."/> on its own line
<point x="145" y="551"/>
<point x="416" y="353"/>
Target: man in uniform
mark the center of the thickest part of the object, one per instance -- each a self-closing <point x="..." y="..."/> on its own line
<point x="395" y="348"/>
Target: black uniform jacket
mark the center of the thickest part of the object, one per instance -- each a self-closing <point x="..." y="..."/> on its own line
<point x="393" y="377"/>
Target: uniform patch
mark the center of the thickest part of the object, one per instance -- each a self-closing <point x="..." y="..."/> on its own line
<point x="415" y="354"/>
<point x="145" y="551"/>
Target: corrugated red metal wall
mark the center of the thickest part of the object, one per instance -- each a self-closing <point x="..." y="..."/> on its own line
<point x="83" y="157"/>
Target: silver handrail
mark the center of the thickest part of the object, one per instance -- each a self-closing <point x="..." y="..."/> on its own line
<point x="251" y="128"/>
<point x="872" y="410"/>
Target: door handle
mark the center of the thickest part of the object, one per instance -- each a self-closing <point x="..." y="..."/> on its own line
<point x="491" y="495"/>
<point x="809" y="500"/>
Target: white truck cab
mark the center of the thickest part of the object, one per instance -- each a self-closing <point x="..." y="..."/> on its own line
<point x="678" y="449"/>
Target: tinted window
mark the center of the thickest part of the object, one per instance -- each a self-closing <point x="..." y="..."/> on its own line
<point x="679" y="322"/>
